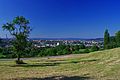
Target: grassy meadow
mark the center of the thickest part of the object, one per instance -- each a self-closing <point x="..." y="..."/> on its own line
<point x="100" y="65"/>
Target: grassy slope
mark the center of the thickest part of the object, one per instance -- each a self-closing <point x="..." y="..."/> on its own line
<point x="99" y="65"/>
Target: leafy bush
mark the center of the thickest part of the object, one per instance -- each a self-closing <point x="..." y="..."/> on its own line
<point x="86" y="50"/>
<point x="82" y="46"/>
<point x="76" y="52"/>
<point x="94" y="48"/>
<point x="2" y="56"/>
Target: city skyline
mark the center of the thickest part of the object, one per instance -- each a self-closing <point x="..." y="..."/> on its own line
<point x="64" y="18"/>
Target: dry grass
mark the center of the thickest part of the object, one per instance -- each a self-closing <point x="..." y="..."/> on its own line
<point x="101" y="65"/>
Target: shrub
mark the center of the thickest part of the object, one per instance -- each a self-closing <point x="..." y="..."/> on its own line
<point x="86" y="51"/>
<point x="82" y="46"/>
<point x="94" y="48"/>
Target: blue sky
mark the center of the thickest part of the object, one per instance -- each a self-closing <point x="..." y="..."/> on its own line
<point x="64" y="18"/>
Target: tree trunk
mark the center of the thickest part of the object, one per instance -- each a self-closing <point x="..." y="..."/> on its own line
<point x="18" y="58"/>
<point x="19" y="61"/>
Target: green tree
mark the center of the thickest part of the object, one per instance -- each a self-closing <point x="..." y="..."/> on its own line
<point x="86" y="50"/>
<point x="76" y="47"/>
<point x="94" y="48"/>
<point x="117" y="37"/>
<point x="106" y="39"/>
<point x="20" y="31"/>
<point x="113" y="43"/>
<point x="82" y="46"/>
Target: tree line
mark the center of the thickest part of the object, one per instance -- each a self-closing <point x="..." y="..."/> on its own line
<point x="111" y="41"/>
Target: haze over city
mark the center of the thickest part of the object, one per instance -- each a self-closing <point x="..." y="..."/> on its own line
<point x="64" y="18"/>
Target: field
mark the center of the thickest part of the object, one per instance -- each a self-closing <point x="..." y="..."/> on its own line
<point x="101" y="65"/>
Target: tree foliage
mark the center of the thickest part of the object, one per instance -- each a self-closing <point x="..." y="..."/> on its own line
<point x="117" y="37"/>
<point x="106" y="39"/>
<point x="20" y="31"/>
<point x="94" y="48"/>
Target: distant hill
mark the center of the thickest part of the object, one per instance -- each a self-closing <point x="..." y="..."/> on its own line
<point x="66" y="39"/>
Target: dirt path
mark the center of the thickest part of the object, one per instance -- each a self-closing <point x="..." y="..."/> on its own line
<point x="61" y="56"/>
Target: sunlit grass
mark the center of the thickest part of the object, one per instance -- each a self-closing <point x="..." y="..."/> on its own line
<point x="96" y="65"/>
